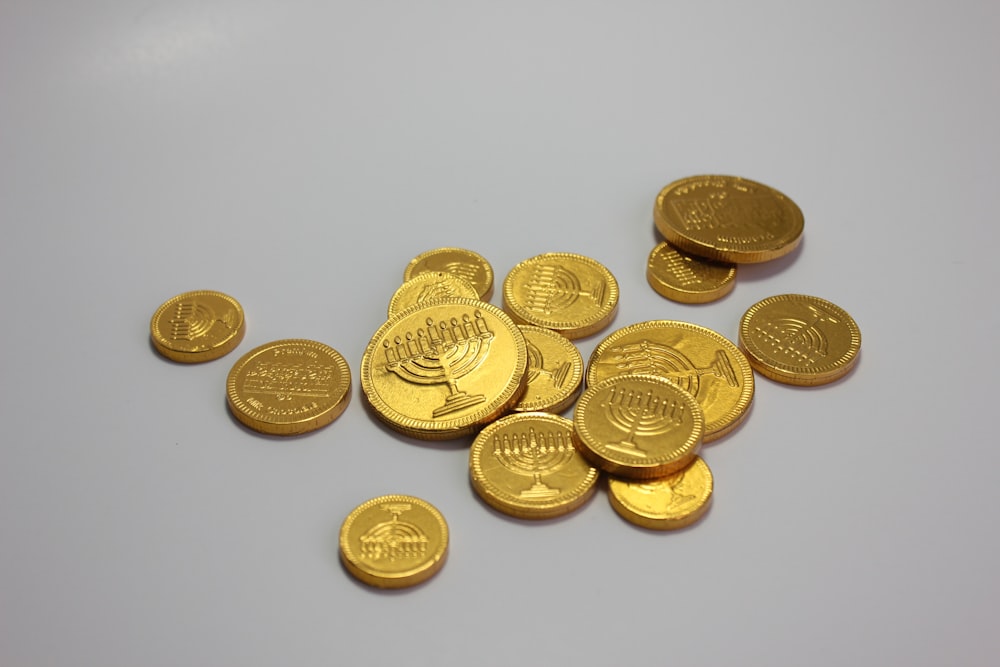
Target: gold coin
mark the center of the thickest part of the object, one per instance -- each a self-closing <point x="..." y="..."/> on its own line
<point x="394" y="541"/>
<point x="698" y="360"/>
<point x="288" y="387"/>
<point x="798" y="339"/>
<point x="526" y="465"/>
<point x="555" y="371"/>
<point x="465" y="264"/>
<point x="728" y="219"/>
<point x="197" y="326"/>
<point x="638" y="426"/>
<point x="572" y="294"/>
<point x="444" y="368"/>
<point x="671" y="502"/>
<point x="430" y="285"/>
<point x="686" y="278"/>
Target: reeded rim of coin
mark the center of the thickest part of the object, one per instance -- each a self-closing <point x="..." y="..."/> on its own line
<point x="197" y="326"/>
<point x="466" y="264"/>
<point x="686" y="278"/>
<point x="667" y="503"/>
<point x="565" y="377"/>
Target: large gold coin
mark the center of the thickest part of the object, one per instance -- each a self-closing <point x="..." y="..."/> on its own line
<point x="698" y="360"/>
<point x="197" y="326"/>
<point x="686" y="278"/>
<point x="555" y="371"/>
<point x="638" y="426"/>
<point x="526" y="465"/>
<point x="572" y="294"/>
<point x="288" y="387"/>
<point x="466" y="264"/>
<point x="728" y="219"/>
<point x="394" y="541"/>
<point x="430" y="285"/>
<point x="799" y="339"/>
<point x="444" y="368"/>
<point x="668" y="503"/>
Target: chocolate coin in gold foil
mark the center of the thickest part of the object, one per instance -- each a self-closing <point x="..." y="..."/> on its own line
<point x="430" y="285"/>
<point x="686" y="278"/>
<point x="555" y="371"/>
<point x="667" y="503"/>
<point x="465" y="264"/>
<point x="197" y="326"/>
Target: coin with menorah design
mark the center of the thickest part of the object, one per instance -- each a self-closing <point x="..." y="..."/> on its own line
<point x="526" y="465"/>
<point x="697" y="359"/>
<point x="465" y="264"/>
<point x="666" y="503"/>
<point x="728" y="219"/>
<point x="430" y="285"/>
<point x="197" y="326"/>
<point x="799" y="339"/>
<point x="686" y="278"/>
<point x="288" y="387"/>
<point x="444" y="368"/>
<point x="555" y="371"/>
<point x="394" y="541"/>
<point x="569" y="293"/>
<point x="638" y="426"/>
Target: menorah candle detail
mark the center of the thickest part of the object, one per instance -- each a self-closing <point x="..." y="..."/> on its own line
<point x="534" y="455"/>
<point x="552" y="288"/>
<point x="394" y="539"/>
<point x="640" y="413"/>
<point x="646" y="356"/>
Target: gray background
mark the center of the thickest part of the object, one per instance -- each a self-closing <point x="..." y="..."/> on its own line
<point x="297" y="155"/>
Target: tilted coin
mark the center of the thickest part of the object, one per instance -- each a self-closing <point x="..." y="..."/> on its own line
<point x="638" y="426"/>
<point x="444" y="368"/>
<point x="555" y="371"/>
<point x="197" y="326"/>
<point x="430" y="285"/>
<point x="728" y="219"/>
<point x="288" y="387"/>
<point x="699" y="360"/>
<point x="799" y="339"/>
<point x="466" y="264"/>
<point x="526" y="465"/>
<point x="569" y="293"/>
<point x="667" y="503"/>
<point x="686" y="278"/>
<point x="394" y="541"/>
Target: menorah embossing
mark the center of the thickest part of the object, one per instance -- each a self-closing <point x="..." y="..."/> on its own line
<point x="668" y="362"/>
<point x="534" y="455"/>
<point x="536" y="367"/>
<point x="640" y="414"/>
<point x="551" y="287"/>
<point x="193" y="319"/>
<point x="442" y="353"/>
<point x="470" y="272"/>
<point x="677" y="499"/>
<point x="799" y="339"/>
<point x="394" y="540"/>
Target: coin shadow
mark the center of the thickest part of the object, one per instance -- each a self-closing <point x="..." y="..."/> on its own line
<point x="736" y="429"/>
<point x="551" y="521"/>
<point x="451" y="444"/>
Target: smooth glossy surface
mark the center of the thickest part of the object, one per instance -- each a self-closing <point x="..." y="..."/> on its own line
<point x="555" y="371"/>
<point x="675" y="501"/>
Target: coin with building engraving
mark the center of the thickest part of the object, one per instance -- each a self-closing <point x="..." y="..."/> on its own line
<point x="430" y="285"/>
<point x="288" y="387"/>
<point x="555" y="371"/>
<point x="667" y="503"/>
<point x="465" y="264"/>
<point x="728" y="219"/>
<point x="799" y="339"/>
<point x="444" y="368"/>
<point x="686" y="278"/>
<point x="638" y="426"/>
<point x="569" y="293"/>
<point x="394" y="541"/>
<point x="197" y="326"/>
<point x="697" y="359"/>
<point x="526" y="465"/>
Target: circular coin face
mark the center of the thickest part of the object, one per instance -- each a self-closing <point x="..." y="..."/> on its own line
<point x="526" y="465"/>
<point x="638" y="426"/>
<point x="430" y="285"/>
<point x="728" y="219"/>
<point x="394" y="541"/>
<point x="197" y="326"/>
<point x="572" y="294"/>
<point x="799" y="339"/>
<point x="700" y="361"/>
<point x="555" y="371"/>
<point x="444" y="368"/>
<point x="686" y="278"/>
<point x="667" y="503"/>
<point x="465" y="264"/>
<point x="288" y="387"/>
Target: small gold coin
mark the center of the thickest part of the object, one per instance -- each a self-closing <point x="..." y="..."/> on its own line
<point x="394" y="541"/>
<point x="555" y="371"/>
<point x="638" y="426"/>
<point x="699" y="360"/>
<point x="686" y="278"/>
<point x="465" y="264"/>
<point x="668" y="503"/>
<point x="728" y="219"/>
<point x="799" y="339"/>
<point x="288" y="387"/>
<point x="197" y="326"/>
<point x="572" y="294"/>
<point x="430" y="285"/>
<point x="444" y="368"/>
<point x="526" y="465"/>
